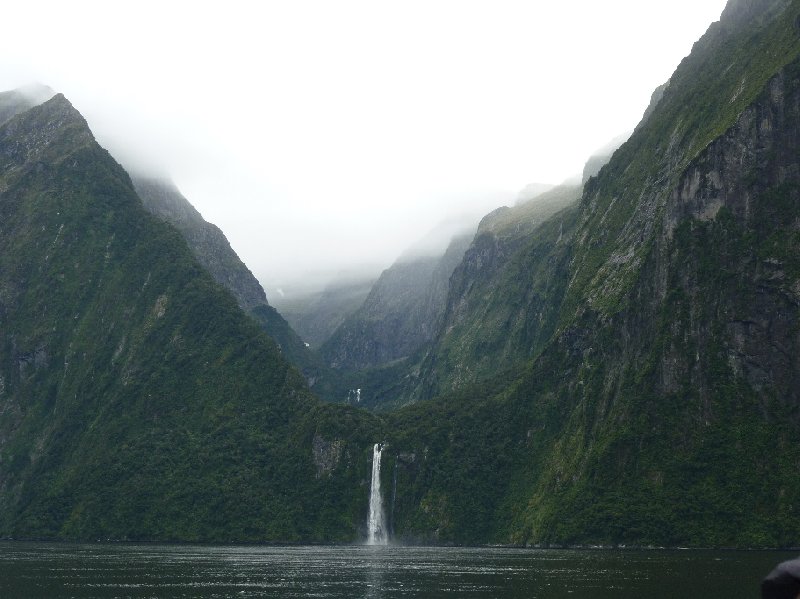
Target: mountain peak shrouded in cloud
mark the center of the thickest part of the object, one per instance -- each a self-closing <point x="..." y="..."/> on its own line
<point x="437" y="240"/>
<point x="601" y="156"/>
<point x="33" y="93"/>
<point x="533" y="190"/>
<point x="19" y="100"/>
<point x="36" y="92"/>
<point x="125" y="370"/>
<point x="43" y="130"/>
<point x="348" y="136"/>
<point x="741" y="10"/>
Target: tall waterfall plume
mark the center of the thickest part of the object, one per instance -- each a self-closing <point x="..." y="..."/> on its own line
<point x="376" y="523"/>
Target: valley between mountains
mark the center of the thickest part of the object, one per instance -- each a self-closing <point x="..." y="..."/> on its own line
<point x="611" y="361"/>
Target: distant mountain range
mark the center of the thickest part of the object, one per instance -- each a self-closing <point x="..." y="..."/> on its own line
<point x="401" y="313"/>
<point x="316" y="315"/>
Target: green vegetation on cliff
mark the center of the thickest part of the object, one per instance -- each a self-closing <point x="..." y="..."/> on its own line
<point x="138" y="400"/>
<point x="504" y="297"/>
<point x="663" y="409"/>
<point x="621" y="367"/>
<point x="211" y="248"/>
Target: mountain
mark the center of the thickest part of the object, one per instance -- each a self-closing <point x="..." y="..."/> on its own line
<point x="401" y="313"/>
<point x="19" y="100"/>
<point x="316" y="315"/>
<point x="600" y="158"/>
<point x="138" y="401"/>
<point x="532" y="191"/>
<point x="209" y="245"/>
<point x="616" y="365"/>
<point x="660" y="403"/>
<point x="497" y="313"/>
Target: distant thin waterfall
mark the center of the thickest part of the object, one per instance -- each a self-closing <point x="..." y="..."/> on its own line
<point x="376" y="523"/>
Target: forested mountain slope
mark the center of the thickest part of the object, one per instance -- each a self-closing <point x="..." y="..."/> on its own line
<point x="138" y="400"/>
<point x="163" y="199"/>
<point x="211" y="248"/>
<point x="664" y="408"/>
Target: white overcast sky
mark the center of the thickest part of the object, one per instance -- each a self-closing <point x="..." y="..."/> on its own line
<point x="324" y="134"/>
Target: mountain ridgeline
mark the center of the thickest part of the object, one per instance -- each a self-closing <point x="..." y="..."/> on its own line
<point x="211" y="248"/>
<point x="616" y="363"/>
<point x="422" y="328"/>
<point x="499" y="311"/>
<point x="209" y="245"/>
<point x="16" y="101"/>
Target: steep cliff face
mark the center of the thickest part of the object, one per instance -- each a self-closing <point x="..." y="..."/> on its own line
<point x="727" y="69"/>
<point x="503" y="298"/>
<point x="402" y="312"/>
<point x="664" y="408"/>
<point x="682" y="406"/>
<point x="726" y="252"/>
<point x="136" y="399"/>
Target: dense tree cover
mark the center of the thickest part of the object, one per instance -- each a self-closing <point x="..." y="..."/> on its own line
<point x="138" y="400"/>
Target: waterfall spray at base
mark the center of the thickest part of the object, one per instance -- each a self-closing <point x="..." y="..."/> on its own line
<point x="376" y="525"/>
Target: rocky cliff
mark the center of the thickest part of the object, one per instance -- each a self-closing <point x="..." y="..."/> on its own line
<point x="663" y="407"/>
<point x="502" y="301"/>
<point x="680" y="398"/>
<point x="402" y="312"/>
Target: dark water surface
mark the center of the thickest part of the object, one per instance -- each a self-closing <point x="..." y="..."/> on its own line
<point x="171" y="571"/>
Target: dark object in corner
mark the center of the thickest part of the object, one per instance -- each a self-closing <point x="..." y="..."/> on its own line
<point x="783" y="582"/>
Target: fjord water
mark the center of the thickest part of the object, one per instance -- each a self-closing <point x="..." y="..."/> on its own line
<point x="169" y="571"/>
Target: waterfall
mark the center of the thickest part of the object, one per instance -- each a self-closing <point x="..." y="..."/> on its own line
<point x="394" y="497"/>
<point x="376" y="526"/>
